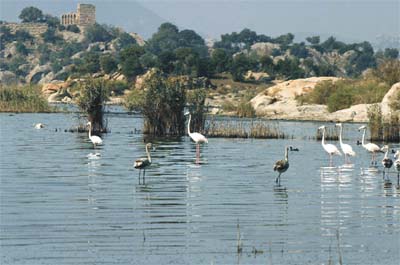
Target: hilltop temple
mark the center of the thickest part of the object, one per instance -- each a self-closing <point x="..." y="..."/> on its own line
<point x="84" y="16"/>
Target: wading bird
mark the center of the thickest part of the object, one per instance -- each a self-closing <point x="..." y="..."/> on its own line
<point x="143" y="163"/>
<point x="397" y="166"/>
<point x="198" y="138"/>
<point x="329" y="148"/>
<point x="346" y="148"/>
<point x="386" y="161"/>
<point x="94" y="139"/>
<point x="370" y="147"/>
<point x="282" y="165"/>
<point x="39" y="126"/>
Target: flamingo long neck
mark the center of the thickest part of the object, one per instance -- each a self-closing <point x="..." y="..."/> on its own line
<point x="323" y="137"/>
<point x="90" y="130"/>
<point x="387" y="153"/>
<point x="286" y="154"/>
<point x="363" y="138"/>
<point x="190" y="117"/>
<point x="340" y="135"/>
<point x="148" y="153"/>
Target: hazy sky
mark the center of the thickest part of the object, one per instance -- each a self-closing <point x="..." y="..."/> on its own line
<point x="353" y="20"/>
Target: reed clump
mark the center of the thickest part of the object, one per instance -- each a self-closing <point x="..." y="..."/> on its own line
<point x="196" y="103"/>
<point x="93" y="94"/>
<point x="381" y="128"/>
<point x="26" y="98"/>
<point x="243" y="129"/>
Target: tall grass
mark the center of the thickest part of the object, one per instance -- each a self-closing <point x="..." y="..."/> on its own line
<point x="23" y="99"/>
<point x="196" y="101"/>
<point x="243" y="129"/>
<point x="387" y="130"/>
<point x="93" y="94"/>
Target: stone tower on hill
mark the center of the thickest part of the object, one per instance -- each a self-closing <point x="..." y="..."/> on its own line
<point x="85" y="16"/>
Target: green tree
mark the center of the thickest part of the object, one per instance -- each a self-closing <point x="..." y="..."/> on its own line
<point x="131" y="65"/>
<point x="220" y="60"/>
<point x="31" y="14"/>
<point x="165" y="39"/>
<point x="391" y="53"/>
<point x="21" y="48"/>
<point x="50" y="35"/>
<point x="97" y="33"/>
<point x="108" y="64"/>
<point x="90" y="63"/>
<point x="314" y="40"/>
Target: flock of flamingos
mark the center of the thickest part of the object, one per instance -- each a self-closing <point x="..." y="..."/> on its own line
<point x="281" y="166"/>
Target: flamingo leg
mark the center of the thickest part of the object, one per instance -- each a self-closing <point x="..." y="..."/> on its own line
<point x="398" y="179"/>
<point x="197" y="153"/>
<point x="144" y="174"/>
<point x="278" y="179"/>
<point x="139" y="175"/>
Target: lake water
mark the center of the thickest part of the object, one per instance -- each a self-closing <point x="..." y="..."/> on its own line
<point x="59" y="206"/>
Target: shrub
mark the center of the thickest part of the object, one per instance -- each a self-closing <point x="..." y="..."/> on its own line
<point x="134" y="101"/>
<point x="118" y="87"/>
<point x="245" y="109"/>
<point x="97" y="33"/>
<point x="196" y="101"/>
<point x="73" y="28"/>
<point x="22" y="99"/>
<point x="381" y="129"/>
<point x="108" y="64"/>
<point x="162" y="105"/>
<point x="92" y="97"/>
<point x="345" y="93"/>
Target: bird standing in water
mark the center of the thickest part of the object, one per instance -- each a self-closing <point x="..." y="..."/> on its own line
<point x="397" y="166"/>
<point x="93" y="138"/>
<point x="346" y="148"/>
<point x="281" y="166"/>
<point x="198" y="138"/>
<point x="370" y="147"/>
<point x="329" y="148"/>
<point x="386" y="161"/>
<point x="143" y="163"/>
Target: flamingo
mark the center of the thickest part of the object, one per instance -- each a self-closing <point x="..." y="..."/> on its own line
<point x="386" y="161"/>
<point x="370" y="147"/>
<point x="198" y="138"/>
<point x="329" y="148"/>
<point x="346" y="148"/>
<point x="282" y="165"/>
<point x="39" y="126"/>
<point x="94" y="139"/>
<point x="143" y="163"/>
<point x="397" y="166"/>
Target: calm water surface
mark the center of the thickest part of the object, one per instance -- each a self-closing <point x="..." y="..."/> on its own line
<point x="59" y="206"/>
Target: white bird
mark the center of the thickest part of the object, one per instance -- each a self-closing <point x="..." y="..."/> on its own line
<point x="198" y="138"/>
<point x="329" y="148"/>
<point x="346" y="148"/>
<point x="370" y="147"/>
<point x="397" y="166"/>
<point x="386" y="161"/>
<point x="143" y="163"/>
<point x="39" y="126"/>
<point x="94" y="139"/>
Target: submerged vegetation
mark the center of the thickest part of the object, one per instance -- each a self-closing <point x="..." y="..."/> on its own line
<point x="23" y="99"/>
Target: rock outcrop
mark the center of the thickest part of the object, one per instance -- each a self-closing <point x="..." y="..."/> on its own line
<point x="38" y="73"/>
<point x="279" y="102"/>
<point x="388" y="99"/>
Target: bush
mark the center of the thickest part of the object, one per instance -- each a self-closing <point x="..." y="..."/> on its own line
<point x="345" y="93"/>
<point x="108" y="64"/>
<point x="117" y="87"/>
<point x="162" y="105"/>
<point x="97" y="33"/>
<point x="134" y="101"/>
<point x="381" y="129"/>
<point x="31" y="14"/>
<point x="22" y="99"/>
<point x="196" y="100"/>
<point x="73" y="28"/>
<point x="92" y="97"/>
<point x="245" y="109"/>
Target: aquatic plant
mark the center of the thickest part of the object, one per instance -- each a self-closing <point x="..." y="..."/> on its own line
<point x="92" y="98"/>
<point x="26" y="98"/>
<point x="243" y="129"/>
<point x="381" y="129"/>
<point x="196" y="102"/>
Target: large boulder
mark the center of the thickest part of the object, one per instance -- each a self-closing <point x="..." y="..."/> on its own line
<point x="388" y="99"/>
<point x="38" y="73"/>
<point x="8" y="78"/>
